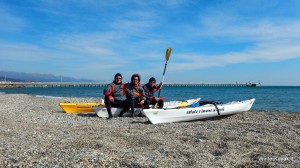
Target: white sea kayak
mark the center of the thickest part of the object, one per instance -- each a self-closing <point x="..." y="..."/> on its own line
<point x="157" y="116"/>
<point x="102" y="111"/>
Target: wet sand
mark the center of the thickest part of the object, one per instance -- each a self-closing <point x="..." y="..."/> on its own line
<point x="36" y="132"/>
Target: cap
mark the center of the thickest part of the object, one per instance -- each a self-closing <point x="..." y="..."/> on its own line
<point x="118" y="74"/>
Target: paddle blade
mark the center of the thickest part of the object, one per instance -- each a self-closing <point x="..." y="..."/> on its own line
<point x="168" y="53"/>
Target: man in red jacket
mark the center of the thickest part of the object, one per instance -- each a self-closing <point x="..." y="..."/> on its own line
<point x="150" y="88"/>
<point x="113" y="93"/>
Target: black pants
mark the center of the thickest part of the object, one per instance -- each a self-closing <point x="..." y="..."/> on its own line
<point x="109" y="104"/>
<point x="153" y="102"/>
<point x="130" y="104"/>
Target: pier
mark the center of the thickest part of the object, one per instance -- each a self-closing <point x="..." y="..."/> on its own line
<point x="102" y="84"/>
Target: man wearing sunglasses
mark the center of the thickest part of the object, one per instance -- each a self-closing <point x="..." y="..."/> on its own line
<point x="114" y="93"/>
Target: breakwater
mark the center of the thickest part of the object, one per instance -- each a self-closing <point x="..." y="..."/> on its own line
<point x="101" y="84"/>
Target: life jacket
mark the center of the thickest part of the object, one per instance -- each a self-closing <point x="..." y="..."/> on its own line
<point x="133" y="92"/>
<point x="150" y="91"/>
<point x="111" y="92"/>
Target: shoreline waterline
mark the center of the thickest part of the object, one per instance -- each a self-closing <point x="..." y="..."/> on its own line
<point x="279" y="99"/>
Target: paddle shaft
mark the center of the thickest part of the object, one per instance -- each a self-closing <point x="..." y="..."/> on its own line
<point x="168" y="53"/>
<point x="162" y="80"/>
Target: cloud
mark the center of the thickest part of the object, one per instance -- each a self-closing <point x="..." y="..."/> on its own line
<point x="10" y="22"/>
<point x="265" y="30"/>
<point x="255" y="40"/>
<point x="268" y="52"/>
<point x="135" y="22"/>
<point x="96" y="39"/>
<point x="22" y="52"/>
<point x="93" y="44"/>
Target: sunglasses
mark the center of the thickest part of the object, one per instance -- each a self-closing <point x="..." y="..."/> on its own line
<point x="118" y="78"/>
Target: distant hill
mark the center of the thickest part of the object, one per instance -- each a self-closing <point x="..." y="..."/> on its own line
<point x="3" y="78"/>
<point x="36" y="77"/>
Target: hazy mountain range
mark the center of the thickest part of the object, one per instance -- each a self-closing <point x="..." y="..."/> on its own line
<point x="36" y="77"/>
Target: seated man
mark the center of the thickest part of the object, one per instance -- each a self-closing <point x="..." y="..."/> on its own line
<point x="134" y="95"/>
<point x="150" y="88"/>
<point x="114" y="94"/>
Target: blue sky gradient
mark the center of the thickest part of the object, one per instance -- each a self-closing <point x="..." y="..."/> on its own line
<point x="213" y="41"/>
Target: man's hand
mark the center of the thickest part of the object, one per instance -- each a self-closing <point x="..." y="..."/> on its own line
<point x="142" y="102"/>
<point x="156" y="98"/>
<point x="111" y="99"/>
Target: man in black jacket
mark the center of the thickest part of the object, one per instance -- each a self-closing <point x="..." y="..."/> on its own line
<point x="135" y="95"/>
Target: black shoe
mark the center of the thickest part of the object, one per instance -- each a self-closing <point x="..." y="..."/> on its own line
<point x="132" y="114"/>
<point x="121" y="114"/>
<point x="109" y="117"/>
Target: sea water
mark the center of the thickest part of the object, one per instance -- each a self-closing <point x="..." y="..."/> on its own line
<point x="268" y="98"/>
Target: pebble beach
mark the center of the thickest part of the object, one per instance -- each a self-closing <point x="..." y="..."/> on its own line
<point x="35" y="132"/>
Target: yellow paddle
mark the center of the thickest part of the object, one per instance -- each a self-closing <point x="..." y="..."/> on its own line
<point x="168" y="53"/>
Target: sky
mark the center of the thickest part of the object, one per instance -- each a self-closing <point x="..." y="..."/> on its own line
<point x="213" y="41"/>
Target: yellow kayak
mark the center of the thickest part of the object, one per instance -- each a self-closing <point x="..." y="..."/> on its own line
<point x="70" y="107"/>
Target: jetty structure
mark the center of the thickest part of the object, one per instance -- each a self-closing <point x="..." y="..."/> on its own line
<point x="102" y="84"/>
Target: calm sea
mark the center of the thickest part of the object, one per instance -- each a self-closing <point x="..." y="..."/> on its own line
<point x="268" y="98"/>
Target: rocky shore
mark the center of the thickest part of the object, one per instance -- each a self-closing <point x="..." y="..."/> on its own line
<point x="11" y="86"/>
<point x="35" y="132"/>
